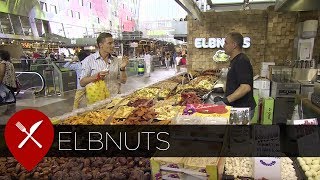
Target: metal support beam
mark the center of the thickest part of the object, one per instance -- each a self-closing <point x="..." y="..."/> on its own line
<point x="192" y="9"/>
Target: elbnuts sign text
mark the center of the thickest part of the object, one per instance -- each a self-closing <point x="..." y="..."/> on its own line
<point x="216" y="42"/>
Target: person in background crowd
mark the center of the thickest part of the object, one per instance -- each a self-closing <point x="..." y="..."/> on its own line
<point x="24" y="59"/>
<point x="178" y="58"/>
<point x="52" y="56"/>
<point x="61" y="57"/>
<point x="75" y="65"/>
<point x="183" y="60"/>
<point x="239" y="86"/>
<point x="167" y="59"/>
<point x="173" y="59"/>
<point x="47" y="56"/>
<point x="163" y="56"/>
<point x="8" y="76"/>
<point x="94" y="67"/>
<point x="36" y="55"/>
<point x="147" y="59"/>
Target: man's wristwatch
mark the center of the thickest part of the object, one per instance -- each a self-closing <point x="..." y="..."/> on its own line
<point x="122" y="69"/>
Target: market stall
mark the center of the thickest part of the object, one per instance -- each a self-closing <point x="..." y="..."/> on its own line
<point x="175" y="101"/>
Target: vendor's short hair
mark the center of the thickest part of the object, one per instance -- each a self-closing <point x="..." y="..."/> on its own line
<point x="237" y="38"/>
<point x="102" y="37"/>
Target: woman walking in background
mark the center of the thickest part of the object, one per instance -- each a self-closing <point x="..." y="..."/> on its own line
<point x="147" y="59"/>
<point x="167" y="60"/>
<point x="8" y="82"/>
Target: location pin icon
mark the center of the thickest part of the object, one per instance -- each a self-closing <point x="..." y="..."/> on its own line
<point x="29" y="135"/>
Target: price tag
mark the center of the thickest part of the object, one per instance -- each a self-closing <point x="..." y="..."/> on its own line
<point x="312" y="121"/>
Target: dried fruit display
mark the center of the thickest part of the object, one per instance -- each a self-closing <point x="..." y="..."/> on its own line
<point x="177" y="79"/>
<point x="173" y="100"/>
<point x="114" y="102"/>
<point x="197" y="80"/>
<point x="205" y="84"/>
<point x="89" y="118"/>
<point x="181" y="87"/>
<point x="167" y="112"/>
<point x="123" y="112"/>
<point x="189" y="98"/>
<point x="141" y="115"/>
<point x="166" y="85"/>
<point x="164" y="93"/>
<point x="140" y="102"/>
<point x="210" y="72"/>
<point x="199" y="91"/>
<point x="147" y="93"/>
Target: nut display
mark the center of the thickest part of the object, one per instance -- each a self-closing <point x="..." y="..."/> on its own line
<point x="243" y="167"/>
<point x="79" y="168"/>
<point x="311" y="166"/>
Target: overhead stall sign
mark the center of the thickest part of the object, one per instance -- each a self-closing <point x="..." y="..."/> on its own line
<point x="216" y="42"/>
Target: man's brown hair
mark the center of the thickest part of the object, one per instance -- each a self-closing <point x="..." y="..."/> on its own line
<point x="237" y="38"/>
<point x="102" y="37"/>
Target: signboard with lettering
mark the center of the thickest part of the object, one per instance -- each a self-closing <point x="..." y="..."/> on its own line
<point x="216" y="42"/>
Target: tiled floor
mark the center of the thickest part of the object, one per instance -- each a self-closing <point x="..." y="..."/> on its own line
<point x="58" y="105"/>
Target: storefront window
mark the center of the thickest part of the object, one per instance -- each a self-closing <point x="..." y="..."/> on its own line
<point x="26" y="26"/>
<point x="16" y="24"/>
<point x="6" y="27"/>
<point x="57" y="28"/>
<point x="40" y="27"/>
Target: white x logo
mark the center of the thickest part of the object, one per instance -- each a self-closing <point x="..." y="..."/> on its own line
<point x="33" y="128"/>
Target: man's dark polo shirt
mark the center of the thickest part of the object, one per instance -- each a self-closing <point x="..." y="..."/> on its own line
<point x="240" y="72"/>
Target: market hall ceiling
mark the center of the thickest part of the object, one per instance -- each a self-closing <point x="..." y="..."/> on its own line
<point x="297" y="5"/>
<point x="191" y="8"/>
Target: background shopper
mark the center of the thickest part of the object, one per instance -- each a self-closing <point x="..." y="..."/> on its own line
<point x="8" y="82"/>
<point x="76" y="65"/>
<point x="147" y="59"/>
